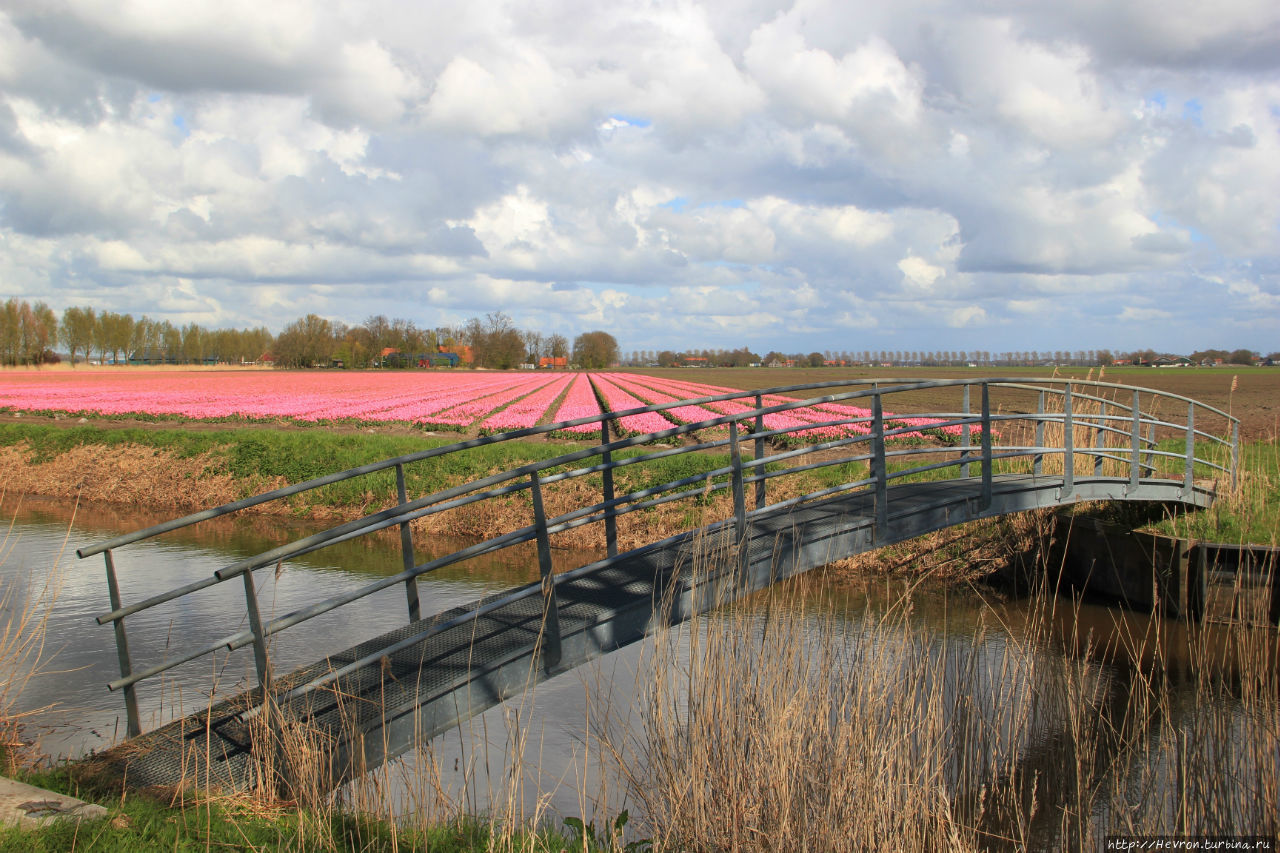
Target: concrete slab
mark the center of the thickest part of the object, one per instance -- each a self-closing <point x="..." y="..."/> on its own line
<point x="31" y="807"/>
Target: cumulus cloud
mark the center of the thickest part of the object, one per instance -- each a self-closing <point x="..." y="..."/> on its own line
<point x="779" y="175"/>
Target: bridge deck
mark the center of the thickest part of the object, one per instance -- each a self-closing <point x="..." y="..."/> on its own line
<point x="463" y="664"/>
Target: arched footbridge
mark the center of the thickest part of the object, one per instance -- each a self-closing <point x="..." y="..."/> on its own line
<point x="780" y="494"/>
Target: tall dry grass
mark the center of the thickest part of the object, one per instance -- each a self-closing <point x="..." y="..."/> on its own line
<point x="25" y="607"/>
<point x="782" y="727"/>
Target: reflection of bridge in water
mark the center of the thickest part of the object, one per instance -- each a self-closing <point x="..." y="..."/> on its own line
<point x="991" y="447"/>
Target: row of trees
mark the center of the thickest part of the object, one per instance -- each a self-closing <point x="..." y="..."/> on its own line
<point x="924" y="358"/>
<point x="493" y="342"/>
<point x="119" y="338"/>
<point x="29" y="333"/>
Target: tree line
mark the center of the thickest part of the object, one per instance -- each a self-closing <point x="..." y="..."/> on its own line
<point x="927" y="358"/>
<point x="30" y="334"/>
<point x="492" y="342"/>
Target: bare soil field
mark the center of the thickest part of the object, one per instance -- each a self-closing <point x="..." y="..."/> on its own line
<point x="1256" y="400"/>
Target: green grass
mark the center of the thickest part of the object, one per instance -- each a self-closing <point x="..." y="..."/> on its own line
<point x="1249" y="515"/>
<point x="142" y="822"/>
<point x="254" y="456"/>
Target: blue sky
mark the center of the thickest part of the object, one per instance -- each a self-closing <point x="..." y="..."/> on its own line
<point x="791" y="176"/>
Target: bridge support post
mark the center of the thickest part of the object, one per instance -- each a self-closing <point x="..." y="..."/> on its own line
<point x="550" y="604"/>
<point x="986" y="446"/>
<point x="759" y="443"/>
<point x="739" y="500"/>
<point x="261" y="661"/>
<point x="1135" y="440"/>
<point x="406" y="552"/>
<point x="879" y="468"/>
<point x="122" y="649"/>
<point x="1068" y="444"/>
<point x="965" y="442"/>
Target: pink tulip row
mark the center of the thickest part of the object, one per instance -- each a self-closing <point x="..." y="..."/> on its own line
<point x="686" y="390"/>
<point x="648" y="395"/>
<point x="618" y="400"/>
<point x="473" y="391"/>
<point x="453" y="400"/>
<point x="467" y="413"/>
<point x="788" y="420"/>
<point x="389" y="396"/>
<point x="808" y="414"/>
<point x="580" y="402"/>
<point x="527" y="411"/>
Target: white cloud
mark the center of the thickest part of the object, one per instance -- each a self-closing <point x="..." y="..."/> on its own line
<point x="919" y="273"/>
<point x="714" y="169"/>
<point x="1136" y="314"/>
<point x="968" y="315"/>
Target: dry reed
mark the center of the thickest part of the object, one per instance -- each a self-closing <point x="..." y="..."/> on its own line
<point x="778" y="727"/>
<point x="25" y="608"/>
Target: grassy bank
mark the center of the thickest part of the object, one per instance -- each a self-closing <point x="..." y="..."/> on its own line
<point x="195" y="821"/>
<point x="182" y="470"/>
<point x="1249" y="514"/>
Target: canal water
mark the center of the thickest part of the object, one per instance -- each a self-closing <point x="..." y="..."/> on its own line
<point x="546" y="739"/>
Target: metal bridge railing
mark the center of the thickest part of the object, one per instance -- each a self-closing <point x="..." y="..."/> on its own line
<point x="1044" y="428"/>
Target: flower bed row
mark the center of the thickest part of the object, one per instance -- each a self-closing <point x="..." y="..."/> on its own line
<point x="489" y="402"/>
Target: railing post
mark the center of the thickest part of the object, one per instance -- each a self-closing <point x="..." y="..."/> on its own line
<point x="879" y="468"/>
<point x="1037" y="461"/>
<point x="1068" y="444"/>
<point x="1135" y="461"/>
<point x="986" y="446"/>
<point x="1235" y="453"/>
<point x="965" y="443"/>
<point x="1149" y="469"/>
<point x="739" y="499"/>
<point x="550" y="605"/>
<point x="610" y="520"/>
<point x="406" y="551"/>
<point x="759" y="443"/>
<point x="122" y="650"/>
<point x="1189" y="479"/>
<point x="260" y="658"/>
<point x="1099" y="439"/>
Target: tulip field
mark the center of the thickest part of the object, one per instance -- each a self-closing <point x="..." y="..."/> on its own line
<point x="457" y="401"/>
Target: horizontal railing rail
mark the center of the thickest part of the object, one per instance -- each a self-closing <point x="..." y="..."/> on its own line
<point x="1091" y="428"/>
